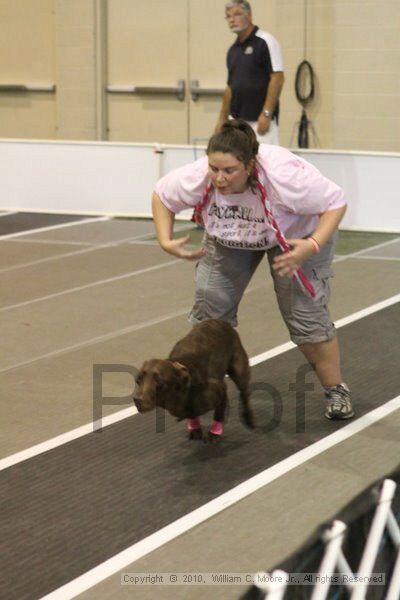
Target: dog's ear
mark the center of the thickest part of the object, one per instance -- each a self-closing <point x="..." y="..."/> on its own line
<point x="183" y="374"/>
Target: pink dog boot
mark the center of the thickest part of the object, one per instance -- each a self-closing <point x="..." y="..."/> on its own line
<point x="216" y="431"/>
<point x="194" y="428"/>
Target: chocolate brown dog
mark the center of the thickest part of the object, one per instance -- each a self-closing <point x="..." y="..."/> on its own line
<point x="190" y="382"/>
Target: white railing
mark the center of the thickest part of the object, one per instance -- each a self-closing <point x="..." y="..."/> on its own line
<point x="275" y="585"/>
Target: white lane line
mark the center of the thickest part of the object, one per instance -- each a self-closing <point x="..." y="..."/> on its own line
<point x="93" y="248"/>
<point x="203" y="513"/>
<point x="365" y="312"/>
<point x="47" y="242"/>
<point x="131" y="328"/>
<point x="130" y="274"/>
<point x="153" y="243"/>
<point x="8" y="212"/>
<point x="120" y="415"/>
<point x="393" y="258"/>
<point x="97" y="340"/>
<point x="90" y="285"/>
<point x="360" y="314"/>
<point x="52" y="227"/>
<point x="64" y="438"/>
<point x="104" y="281"/>
<point x="341" y="257"/>
<point x="109" y="336"/>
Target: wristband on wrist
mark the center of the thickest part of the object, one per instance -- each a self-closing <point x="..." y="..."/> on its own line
<point x="315" y="244"/>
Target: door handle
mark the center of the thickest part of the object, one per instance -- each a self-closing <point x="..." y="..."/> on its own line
<point x="27" y="87"/>
<point x="196" y="91"/>
<point x="178" y="91"/>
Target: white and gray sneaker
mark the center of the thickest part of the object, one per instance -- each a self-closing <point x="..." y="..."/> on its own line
<point x="338" y="402"/>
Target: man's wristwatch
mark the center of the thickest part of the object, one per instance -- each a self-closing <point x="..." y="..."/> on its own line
<point x="267" y="113"/>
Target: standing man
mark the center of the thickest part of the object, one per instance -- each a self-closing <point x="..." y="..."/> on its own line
<point x="255" y="75"/>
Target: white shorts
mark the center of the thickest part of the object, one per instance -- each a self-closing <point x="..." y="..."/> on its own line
<point x="272" y="135"/>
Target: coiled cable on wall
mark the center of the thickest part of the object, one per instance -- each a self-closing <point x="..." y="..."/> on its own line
<point x="305" y="91"/>
<point x="304" y="84"/>
<point x="304" y="87"/>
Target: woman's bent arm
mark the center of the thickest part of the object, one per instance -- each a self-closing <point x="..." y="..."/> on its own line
<point x="164" y="223"/>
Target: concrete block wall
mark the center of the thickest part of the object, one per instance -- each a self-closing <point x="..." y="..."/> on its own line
<point x="354" y="48"/>
<point x="27" y="57"/>
<point x="77" y="69"/>
<point x="367" y="75"/>
<point x="353" y="45"/>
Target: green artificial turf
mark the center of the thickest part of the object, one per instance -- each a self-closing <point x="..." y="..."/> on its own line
<point x="348" y="241"/>
<point x="353" y="241"/>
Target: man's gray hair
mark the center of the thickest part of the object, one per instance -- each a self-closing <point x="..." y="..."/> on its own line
<point x="242" y="3"/>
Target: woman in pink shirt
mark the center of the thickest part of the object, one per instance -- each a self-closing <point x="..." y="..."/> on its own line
<point x="254" y="199"/>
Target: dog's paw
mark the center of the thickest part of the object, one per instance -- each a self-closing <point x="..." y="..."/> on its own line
<point x="213" y="438"/>
<point x="196" y="434"/>
<point x="248" y="419"/>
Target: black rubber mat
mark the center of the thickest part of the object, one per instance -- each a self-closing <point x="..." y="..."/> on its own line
<point x="25" y="221"/>
<point x="67" y="510"/>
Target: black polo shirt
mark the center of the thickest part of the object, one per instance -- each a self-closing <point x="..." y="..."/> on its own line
<point x="250" y="64"/>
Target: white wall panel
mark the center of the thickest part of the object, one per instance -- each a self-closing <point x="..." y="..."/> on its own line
<point x="77" y="177"/>
<point x="111" y="178"/>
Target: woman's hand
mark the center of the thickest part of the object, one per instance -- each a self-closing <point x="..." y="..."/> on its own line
<point x="164" y="223"/>
<point x="289" y="262"/>
<point x="177" y="248"/>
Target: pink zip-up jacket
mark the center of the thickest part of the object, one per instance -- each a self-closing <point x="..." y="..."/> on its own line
<point x="296" y="194"/>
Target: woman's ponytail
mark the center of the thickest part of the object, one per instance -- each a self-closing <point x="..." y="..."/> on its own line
<point x="236" y="137"/>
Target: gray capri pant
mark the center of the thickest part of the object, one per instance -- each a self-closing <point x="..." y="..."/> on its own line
<point x="223" y="274"/>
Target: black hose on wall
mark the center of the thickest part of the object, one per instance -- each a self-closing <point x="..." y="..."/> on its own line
<point x="305" y="90"/>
